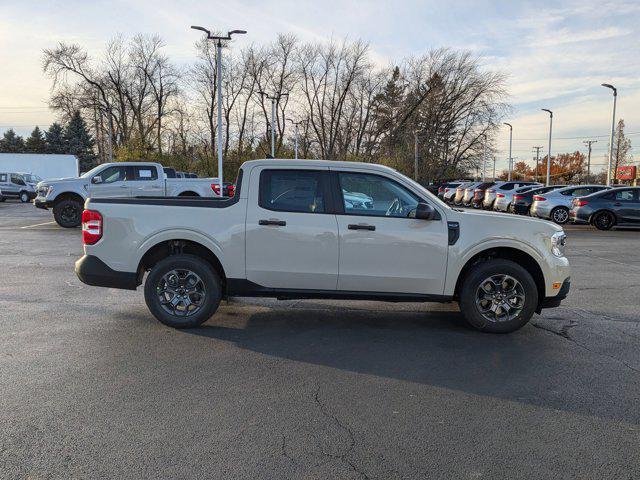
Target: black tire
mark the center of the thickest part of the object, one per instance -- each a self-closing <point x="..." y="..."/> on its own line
<point x="473" y="283"/>
<point x="211" y="291"/>
<point x="68" y="213"/>
<point x="604" y="220"/>
<point x="24" y="197"/>
<point x="560" y="215"/>
<point x="2" y="199"/>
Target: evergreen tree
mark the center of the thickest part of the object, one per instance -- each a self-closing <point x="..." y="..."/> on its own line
<point x="56" y="142"/>
<point x="35" y="142"/>
<point x="80" y="142"/>
<point x="11" y="143"/>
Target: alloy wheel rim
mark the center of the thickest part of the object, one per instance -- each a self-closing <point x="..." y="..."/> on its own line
<point x="500" y="298"/>
<point x="69" y="213"/>
<point x="604" y="220"/>
<point x="560" y="215"/>
<point x="181" y="293"/>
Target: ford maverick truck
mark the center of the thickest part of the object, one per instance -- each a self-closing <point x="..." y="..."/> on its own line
<point x="323" y="229"/>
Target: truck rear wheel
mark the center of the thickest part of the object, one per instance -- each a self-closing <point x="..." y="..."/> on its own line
<point x="68" y="213"/>
<point x="498" y="296"/>
<point x="182" y="291"/>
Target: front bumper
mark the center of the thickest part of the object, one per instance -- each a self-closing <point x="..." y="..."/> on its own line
<point x="552" y="302"/>
<point x="93" y="271"/>
<point x="40" y="202"/>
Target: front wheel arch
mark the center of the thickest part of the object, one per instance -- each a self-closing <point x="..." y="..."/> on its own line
<point x="507" y="253"/>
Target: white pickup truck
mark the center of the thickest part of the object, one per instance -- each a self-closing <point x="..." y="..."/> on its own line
<point x="323" y="229"/>
<point x="65" y="196"/>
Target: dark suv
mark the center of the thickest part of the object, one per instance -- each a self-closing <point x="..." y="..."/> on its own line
<point x="619" y="206"/>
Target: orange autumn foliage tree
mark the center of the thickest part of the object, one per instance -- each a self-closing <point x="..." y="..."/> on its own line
<point x="565" y="168"/>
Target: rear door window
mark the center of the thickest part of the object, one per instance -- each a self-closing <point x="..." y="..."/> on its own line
<point x="624" y="196"/>
<point x="145" y="173"/>
<point x="303" y="191"/>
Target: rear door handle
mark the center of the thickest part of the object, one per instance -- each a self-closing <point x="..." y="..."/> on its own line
<point x="361" y="226"/>
<point x="277" y="223"/>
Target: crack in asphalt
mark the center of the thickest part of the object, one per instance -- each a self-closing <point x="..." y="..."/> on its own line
<point x="564" y="333"/>
<point x="283" y="451"/>
<point x="352" y="441"/>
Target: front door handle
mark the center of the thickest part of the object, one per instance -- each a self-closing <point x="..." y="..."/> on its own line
<point x="123" y="186"/>
<point x="277" y="223"/>
<point x="361" y="226"/>
<point x="617" y="204"/>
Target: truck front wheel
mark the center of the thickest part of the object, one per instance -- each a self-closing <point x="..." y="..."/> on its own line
<point x="498" y="296"/>
<point x="68" y="213"/>
<point x="182" y="291"/>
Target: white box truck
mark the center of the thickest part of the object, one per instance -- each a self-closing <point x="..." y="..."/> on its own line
<point x="44" y="165"/>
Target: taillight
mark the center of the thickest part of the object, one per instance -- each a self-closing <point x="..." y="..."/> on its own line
<point x="440" y="189"/>
<point x="232" y="190"/>
<point x="518" y="197"/>
<point x="538" y="198"/>
<point x="215" y="187"/>
<point x="580" y="203"/>
<point x="91" y="227"/>
<point x="500" y="195"/>
<point x="446" y="190"/>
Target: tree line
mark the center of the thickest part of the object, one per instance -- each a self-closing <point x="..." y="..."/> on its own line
<point x="74" y="138"/>
<point x="140" y="105"/>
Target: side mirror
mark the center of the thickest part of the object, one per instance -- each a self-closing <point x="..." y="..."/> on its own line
<point x="424" y="211"/>
<point x="96" y="179"/>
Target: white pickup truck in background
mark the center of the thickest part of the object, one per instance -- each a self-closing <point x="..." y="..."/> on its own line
<point x="323" y="229"/>
<point x="66" y="196"/>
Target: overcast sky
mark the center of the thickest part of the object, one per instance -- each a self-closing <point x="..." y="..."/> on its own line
<point x="556" y="53"/>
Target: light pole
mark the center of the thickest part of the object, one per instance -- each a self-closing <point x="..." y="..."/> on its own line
<point x="274" y="98"/>
<point x="415" y="155"/>
<point x="218" y="41"/>
<point x="510" y="145"/>
<point x="549" y="153"/>
<point x="484" y="159"/>
<point x="613" y="127"/>
<point x="296" y="137"/>
<point x="588" y="144"/>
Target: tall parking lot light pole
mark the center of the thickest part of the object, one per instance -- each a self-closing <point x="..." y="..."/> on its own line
<point x="295" y="148"/>
<point x="510" y="145"/>
<point x="218" y="41"/>
<point x="613" y="128"/>
<point x="549" y="152"/>
<point x="484" y="159"/>
<point x="274" y="99"/>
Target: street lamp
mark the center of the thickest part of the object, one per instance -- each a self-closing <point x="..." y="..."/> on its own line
<point x="296" y="136"/>
<point x="510" y="145"/>
<point x="218" y="42"/>
<point x="549" y="153"/>
<point x="274" y="98"/>
<point x="613" y="127"/>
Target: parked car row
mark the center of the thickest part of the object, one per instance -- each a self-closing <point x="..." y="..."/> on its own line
<point x="598" y="205"/>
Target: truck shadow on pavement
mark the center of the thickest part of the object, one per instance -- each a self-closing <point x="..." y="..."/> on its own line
<point x="529" y="366"/>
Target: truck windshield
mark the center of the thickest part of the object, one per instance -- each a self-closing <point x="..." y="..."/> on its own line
<point x="91" y="172"/>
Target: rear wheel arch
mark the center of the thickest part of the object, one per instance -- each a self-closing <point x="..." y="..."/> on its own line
<point x="602" y="210"/>
<point x="188" y="194"/>
<point x="520" y="257"/>
<point x="166" y="248"/>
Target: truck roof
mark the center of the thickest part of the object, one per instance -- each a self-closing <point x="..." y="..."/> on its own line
<point x="317" y="163"/>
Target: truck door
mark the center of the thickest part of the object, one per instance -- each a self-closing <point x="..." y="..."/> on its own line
<point x="110" y="182"/>
<point x="381" y="249"/>
<point x="291" y="239"/>
<point x="144" y="181"/>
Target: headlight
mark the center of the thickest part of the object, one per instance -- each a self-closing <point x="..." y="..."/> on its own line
<point x="558" y="241"/>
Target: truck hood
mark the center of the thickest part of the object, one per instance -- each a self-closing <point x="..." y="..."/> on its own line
<point x="502" y="221"/>
<point x="57" y="181"/>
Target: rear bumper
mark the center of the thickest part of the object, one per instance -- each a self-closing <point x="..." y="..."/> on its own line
<point x="552" y="302"/>
<point x="93" y="271"/>
<point x="520" y="209"/>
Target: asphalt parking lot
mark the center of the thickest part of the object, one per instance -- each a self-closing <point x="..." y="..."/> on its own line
<point x="93" y="386"/>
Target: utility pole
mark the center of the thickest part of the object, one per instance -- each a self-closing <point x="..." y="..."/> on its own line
<point x="588" y="144"/>
<point x="218" y="42"/>
<point x="613" y="128"/>
<point x="549" y="155"/>
<point x="537" y="159"/>
<point x="494" y="168"/>
<point x="510" y="145"/>
<point x="274" y="99"/>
